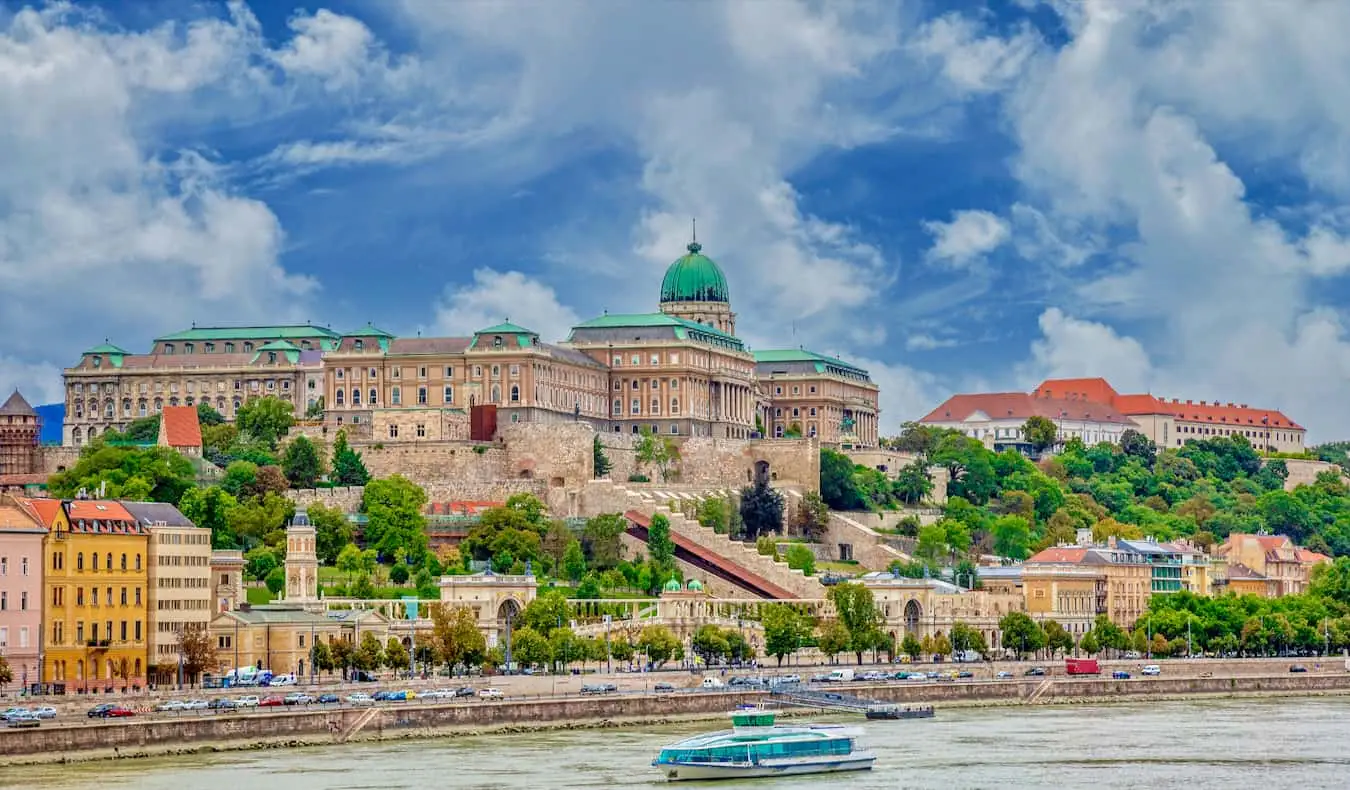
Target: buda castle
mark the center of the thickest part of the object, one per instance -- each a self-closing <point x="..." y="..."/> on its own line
<point x="680" y="371"/>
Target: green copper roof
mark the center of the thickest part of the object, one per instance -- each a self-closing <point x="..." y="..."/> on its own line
<point x="513" y="333"/>
<point x="672" y="586"/>
<point x="506" y="328"/>
<point x="291" y="350"/>
<point x="369" y="330"/>
<point x="297" y="331"/>
<point x="821" y="361"/>
<point x="106" y="348"/>
<point x="684" y="328"/>
<point x="694" y="278"/>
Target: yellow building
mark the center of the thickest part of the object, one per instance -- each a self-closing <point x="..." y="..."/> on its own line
<point x="1074" y="584"/>
<point x="1273" y="557"/>
<point x="96" y="594"/>
<point x="279" y="637"/>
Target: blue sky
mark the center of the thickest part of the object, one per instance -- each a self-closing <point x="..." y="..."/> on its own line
<point x="959" y="196"/>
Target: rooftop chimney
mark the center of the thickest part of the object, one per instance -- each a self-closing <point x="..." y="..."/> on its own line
<point x="1188" y="402"/>
<point x="1230" y="405"/>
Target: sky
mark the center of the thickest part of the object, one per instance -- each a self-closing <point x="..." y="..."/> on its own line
<point x="958" y="196"/>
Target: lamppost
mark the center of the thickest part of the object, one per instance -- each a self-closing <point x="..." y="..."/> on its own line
<point x="609" y="659"/>
<point x="510" y="617"/>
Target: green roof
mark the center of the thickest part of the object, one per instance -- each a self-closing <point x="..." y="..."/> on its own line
<point x="106" y="348"/>
<point x="802" y="355"/>
<point x="506" y="328"/>
<point x="682" y="326"/>
<point x="694" y="278"/>
<point x="299" y="331"/>
<point x="369" y="330"/>
<point x="291" y="350"/>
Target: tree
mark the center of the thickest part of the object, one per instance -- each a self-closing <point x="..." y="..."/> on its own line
<point x="399" y="573"/>
<point x="911" y="646"/>
<point x="784" y="629"/>
<point x="574" y="561"/>
<point x="259" y="562"/>
<point x="210" y="508"/>
<point x="1137" y="445"/>
<point x="332" y="532"/>
<point x="965" y="638"/>
<point x="261" y="519"/>
<point x="393" y="507"/>
<point x="857" y="610"/>
<point x="342" y="654"/>
<point x="348" y="468"/>
<point x="598" y="457"/>
<point x="660" y="546"/>
<point x="812" y="519"/>
<point x="207" y="416"/>
<point x="155" y="473"/>
<point x="603" y="536"/>
<point x="1040" y="432"/>
<point x="1012" y="537"/>
<point x="271" y="480"/>
<point x="455" y="634"/>
<point x="932" y="544"/>
<point x="530" y="648"/>
<point x="912" y="483"/>
<point x="320" y="658"/>
<point x="198" y="649"/>
<point x="1089" y="644"/>
<point x="800" y="557"/>
<point x="276" y="580"/>
<point x="832" y="639"/>
<point x="761" y="509"/>
<point x="241" y="480"/>
<point x="1021" y="634"/>
<point x="715" y="514"/>
<point x="837" y="486"/>
<point x="396" y="655"/>
<point x="710" y="644"/>
<point x="554" y="543"/>
<point x="566" y="647"/>
<point x="659" y="645"/>
<point x="1056" y="638"/>
<point x="302" y="464"/>
<point x="546" y="612"/>
<point x="265" y="419"/>
<point x="659" y="451"/>
<point x="369" y="655"/>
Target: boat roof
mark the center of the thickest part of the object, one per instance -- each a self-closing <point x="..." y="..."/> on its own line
<point x="782" y="732"/>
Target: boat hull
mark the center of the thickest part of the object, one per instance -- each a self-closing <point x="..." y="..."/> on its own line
<point x="681" y="773"/>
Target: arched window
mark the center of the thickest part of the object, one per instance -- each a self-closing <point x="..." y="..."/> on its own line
<point x="340" y="395"/>
<point x="124" y="562"/>
<point x="374" y="396"/>
<point x="126" y="407"/>
<point x="356" y="397"/>
<point x="159" y="405"/>
<point x="110" y="565"/>
<point x="76" y="437"/>
<point x="94" y="556"/>
<point x="173" y="401"/>
<point x="496" y="394"/>
<point x="138" y="562"/>
<point x="92" y="432"/>
<point x="79" y="561"/>
<point x="515" y="394"/>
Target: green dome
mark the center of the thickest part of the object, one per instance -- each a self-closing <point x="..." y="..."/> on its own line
<point x="696" y="585"/>
<point x="673" y="585"/>
<point x="694" y="278"/>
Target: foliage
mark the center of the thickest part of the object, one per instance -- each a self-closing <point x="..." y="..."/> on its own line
<point x="399" y="573"/>
<point x="603" y="540"/>
<point x="966" y="638"/>
<point x="801" y="558"/>
<point x="276" y="579"/>
<point x="198" y="649"/>
<point x="661" y="452"/>
<point x="917" y="438"/>
<point x="832" y="639"/>
<point x="261" y="520"/>
<point x="1040" y="432"/>
<point x="784" y="630"/>
<point x="207" y="416"/>
<point x="659" y="645"/>
<point x="259" y="562"/>
<point x="369" y="654"/>
<point x="912" y="483"/>
<point x="210" y="508"/>
<point x="1012" y="537"/>
<point x="1021" y="634"/>
<point x="393" y="507"/>
<point x="1057" y="639"/>
<point x="332" y="531"/>
<point x="836" y="481"/>
<point x="598" y="457"/>
<point x="455" y="634"/>
<point x="812" y="518"/>
<point x="715" y="514"/>
<point x="660" y="546"/>
<point x="395" y="654"/>
<point x="761" y="509"/>
<point x="911" y="646"/>
<point x="157" y="474"/>
<point x="348" y="468"/>
<point x="302" y="463"/>
<point x="265" y="419"/>
<point x="574" y="561"/>
<point x="857" y="610"/>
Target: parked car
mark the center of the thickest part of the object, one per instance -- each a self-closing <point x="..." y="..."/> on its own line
<point x="45" y="712"/>
<point x="281" y="680"/>
<point x="1298" y="668"/>
<point x="820" y="678"/>
<point x="328" y="699"/>
<point x="1035" y="672"/>
<point x="22" y="718"/>
<point x="491" y="694"/>
<point x="663" y="687"/>
<point x="195" y="704"/>
<point x="965" y="673"/>
<point x="169" y="705"/>
<point x="272" y="701"/>
<point x="465" y="691"/>
<point x="1004" y="675"/>
<point x="1120" y="675"/>
<point x="298" y="698"/>
<point x="592" y="688"/>
<point x="248" y="701"/>
<point x="874" y="676"/>
<point x="1151" y="669"/>
<point x="118" y="712"/>
<point x="360" y="698"/>
<point x="222" y="703"/>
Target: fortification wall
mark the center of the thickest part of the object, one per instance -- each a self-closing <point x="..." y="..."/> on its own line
<point x="1302" y="472"/>
<point x="52" y="459"/>
<point x="712" y="462"/>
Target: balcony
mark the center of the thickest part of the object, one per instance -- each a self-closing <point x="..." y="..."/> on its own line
<point x="99" y="644"/>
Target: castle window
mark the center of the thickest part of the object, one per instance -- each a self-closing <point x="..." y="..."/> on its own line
<point x="515" y="394"/>
<point x="637" y="406"/>
<point x="618" y="386"/>
<point x="421" y="373"/>
<point x="674" y="358"/>
<point x="374" y="396"/>
<point x="339" y="397"/>
<point x="656" y="406"/>
<point x="674" y="405"/>
<point x="497" y="341"/>
<point x="359" y="345"/>
<point x="168" y="349"/>
<point x="421" y="430"/>
<point x="496" y="371"/>
<point x="421" y="396"/>
<point x="229" y="348"/>
<point x="210" y="348"/>
<point x="515" y="371"/>
<point x="271" y="357"/>
<point x="356" y="397"/>
<point x="618" y="361"/>
<point x="189" y="348"/>
<point x="656" y="359"/>
<point x="339" y="374"/>
<point x="449" y="372"/>
<point x="393" y="431"/>
<point x="618" y="406"/>
<point x="248" y="346"/>
<point x="98" y="362"/>
<point x="496" y="393"/>
<point x="449" y="395"/>
<point x="637" y="359"/>
<point x="395" y="396"/>
<point x="675" y="384"/>
<point x="674" y="429"/>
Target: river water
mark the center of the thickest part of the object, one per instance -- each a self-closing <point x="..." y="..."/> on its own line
<point x="1270" y="744"/>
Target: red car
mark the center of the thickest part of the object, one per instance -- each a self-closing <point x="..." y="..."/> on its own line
<point x="272" y="701"/>
<point x="119" y="712"/>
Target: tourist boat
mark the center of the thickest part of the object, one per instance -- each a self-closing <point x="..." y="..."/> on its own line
<point x="756" y="746"/>
<point x="898" y="712"/>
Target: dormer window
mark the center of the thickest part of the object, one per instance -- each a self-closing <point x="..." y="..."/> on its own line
<point x="497" y="341"/>
<point x="248" y="346"/>
<point x="98" y="362"/>
<point x="189" y="348"/>
<point x="168" y="348"/>
<point x="229" y="348"/>
<point x="210" y="348"/>
<point x="271" y="357"/>
<point x="358" y="344"/>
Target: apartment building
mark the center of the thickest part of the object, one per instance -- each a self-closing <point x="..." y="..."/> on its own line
<point x="179" y="582"/>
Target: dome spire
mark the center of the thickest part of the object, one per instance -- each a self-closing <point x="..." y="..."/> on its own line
<point x="694" y="246"/>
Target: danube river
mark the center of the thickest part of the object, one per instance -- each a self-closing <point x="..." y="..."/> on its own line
<point x="1296" y="743"/>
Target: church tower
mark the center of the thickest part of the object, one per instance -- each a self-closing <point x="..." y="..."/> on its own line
<point x="302" y="562"/>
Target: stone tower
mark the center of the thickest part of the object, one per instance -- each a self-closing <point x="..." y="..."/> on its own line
<point x="302" y="563"/>
<point x="19" y="431"/>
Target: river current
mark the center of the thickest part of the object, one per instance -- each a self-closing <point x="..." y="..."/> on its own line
<point x="1270" y="744"/>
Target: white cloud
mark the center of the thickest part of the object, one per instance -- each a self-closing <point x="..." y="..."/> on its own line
<point x="972" y="62"/>
<point x="968" y="237"/>
<point x="906" y="393"/>
<point x="925" y="342"/>
<point x="40" y="382"/>
<point x="1073" y="348"/>
<point x="494" y="297"/>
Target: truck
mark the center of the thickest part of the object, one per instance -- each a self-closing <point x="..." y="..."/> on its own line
<point x="841" y="676"/>
<point x="1081" y="666"/>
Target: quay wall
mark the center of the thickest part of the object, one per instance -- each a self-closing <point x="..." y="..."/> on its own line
<point x="305" y="727"/>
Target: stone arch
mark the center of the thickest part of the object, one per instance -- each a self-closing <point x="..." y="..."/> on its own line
<point x="913" y="615"/>
<point x="508" y="609"/>
<point x="762" y="472"/>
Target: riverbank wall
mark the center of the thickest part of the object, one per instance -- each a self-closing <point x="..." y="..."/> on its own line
<point x="290" y="727"/>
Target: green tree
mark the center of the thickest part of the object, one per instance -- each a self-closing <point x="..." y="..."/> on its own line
<point x="396" y="655"/>
<point x="455" y="635"/>
<point x="812" y="518"/>
<point x="554" y="543"/>
<point x="348" y="468"/>
<point x="241" y="480"/>
<point x="144" y="430"/>
<point x="574" y="561"/>
<point x="261" y="520"/>
<point x="857" y="610"/>
<point x="1089" y="644"/>
<point x="912" y="483"/>
<point x="965" y="638"/>
<point x="1012" y="537"/>
<point x="603" y="536"/>
<point x="349" y="561"/>
<point x="546" y="612"/>
<point x="210" y="508"/>
<point x="394" y="510"/>
<point x="399" y="573"/>
<point x="659" y="451"/>
<point x="832" y="639"/>
<point x="266" y="419"/>
<point x="710" y="644"/>
<point x="207" y="416"/>
<point x="1137" y="445"/>
<point x="302" y="463"/>
<point x="801" y="558"/>
<point x="154" y="473"/>
<point x="784" y="630"/>
<point x="320" y="657"/>
<point x="566" y="647"/>
<point x="660" y="546"/>
<point x="761" y="509"/>
<point x="1056" y="638"/>
<point x="259" y="562"/>
<point x="332" y="532"/>
<point x="276" y="580"/>
<point x="1040" y="432"/>
<point x="715" y="514"/>
<point x="369" y="655"/>
<point x="529" y="648"/>
<point x="1021" y="634"/>
<point x="598" y="457"/>
<point x="659" y="645"/>
<point x="932" y="544"/>
<point x="837" y="486"/>
<point x="911" y="646"/>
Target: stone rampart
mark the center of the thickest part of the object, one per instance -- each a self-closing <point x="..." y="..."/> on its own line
<point x="717" y="462"/>
<point x="53" y="459"/>
<point x="1305" y="472"/>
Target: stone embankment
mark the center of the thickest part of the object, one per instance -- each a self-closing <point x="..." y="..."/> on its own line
<point x="189" y="733"/>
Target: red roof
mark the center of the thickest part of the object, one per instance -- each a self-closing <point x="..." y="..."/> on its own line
<point x="1239" y="571"/>
<point x="179" y="426"/>
<point x="1019" y="406"/>
<point x="1308" y="555"/>
<point x="1062" y="554"/>
<point x="1096" y="390"/>
<point x="44" y="509"/>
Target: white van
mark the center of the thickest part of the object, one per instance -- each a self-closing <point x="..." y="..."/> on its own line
<point x="841" y="676"/>
<point x="713" y="683"/>
<point x="1151" y="669"/>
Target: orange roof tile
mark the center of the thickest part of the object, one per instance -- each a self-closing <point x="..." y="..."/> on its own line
<point x="1308" y="555"/>
<point x="1201" y="411"/>
<point x="101" y="509"/>
<point x="1096" y="390"/>
<point x="1019" y="406"/>
<point x="45" y="510"/>
<point x="180" y="426"/>
<point x="1061" y="554"/>
<point x="1239" y="571"/>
